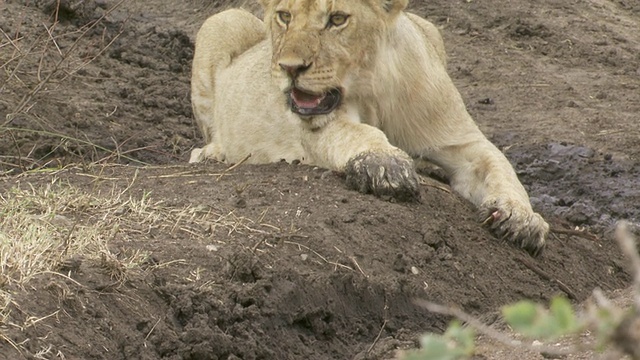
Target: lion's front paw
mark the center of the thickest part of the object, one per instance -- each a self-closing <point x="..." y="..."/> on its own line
<point x="196" y="156"/>
<point x="210" y="151"/>
<point x="384" y="174"/>
<point x="516" y="222"/>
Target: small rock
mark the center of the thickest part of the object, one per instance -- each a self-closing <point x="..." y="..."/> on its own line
<point x="212" y="247"/>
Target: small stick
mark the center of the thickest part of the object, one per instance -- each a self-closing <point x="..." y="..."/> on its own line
<point x="375" y="341"/>
<point x="53" y="40"/>
<point x="255" y="247"/>
<point x="11" y="342"/>
<point x="13" y="42"/>
<point x="579" y="233"/>
<point x="182" y="174"/>
<point x="545" y="276"/>
<point x="318" y="255"/>
<point x="353" y="259"/>
<point x="427" y="181"/>
<point x="153" y="328"/>
<point x="442" y="188"/>
<point x="233" y="167"/>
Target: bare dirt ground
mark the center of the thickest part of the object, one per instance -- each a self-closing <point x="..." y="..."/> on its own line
<point x="282" y="261"/>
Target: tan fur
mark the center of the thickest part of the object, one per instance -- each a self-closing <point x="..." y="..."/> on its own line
<point x="398" y="102"/>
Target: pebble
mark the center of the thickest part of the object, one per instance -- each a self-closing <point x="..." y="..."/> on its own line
<point x="212" y="247"/>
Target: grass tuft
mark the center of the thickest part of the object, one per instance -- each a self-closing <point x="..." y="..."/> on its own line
<point x="44" y="230"/>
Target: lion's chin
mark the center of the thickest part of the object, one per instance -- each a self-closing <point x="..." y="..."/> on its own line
<point x="308" y="104"/>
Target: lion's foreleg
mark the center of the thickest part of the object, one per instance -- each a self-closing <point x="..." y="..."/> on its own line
<point x="222" y="37"/>
<point x="371" y="163"/>
<point x="483" y="175"/>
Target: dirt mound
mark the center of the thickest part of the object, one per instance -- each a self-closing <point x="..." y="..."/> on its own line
<point x="282" y="261"/>
<point x="291" y="265"/>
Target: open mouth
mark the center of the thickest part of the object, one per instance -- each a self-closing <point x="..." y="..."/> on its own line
<point x="307" y="104"/>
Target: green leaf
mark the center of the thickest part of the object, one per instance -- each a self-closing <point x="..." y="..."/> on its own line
<point x="521" y="316"/>
<point x="456" y="343"/>
<point x="563" y="316"/>
<point x="436" y="348"/>
<point x="531" y="320"/>
<point x="463" y="337"/>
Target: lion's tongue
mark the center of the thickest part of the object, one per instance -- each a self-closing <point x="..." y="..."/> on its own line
<point x="306" y="100"/>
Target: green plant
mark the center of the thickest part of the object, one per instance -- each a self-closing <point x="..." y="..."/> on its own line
<point x="612" y="326"/>
<point x="456" y="343"/>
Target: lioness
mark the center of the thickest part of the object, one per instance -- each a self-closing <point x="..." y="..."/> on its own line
<point x="358" y="86"/>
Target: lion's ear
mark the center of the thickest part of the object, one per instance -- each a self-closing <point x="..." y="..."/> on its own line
<point x="393" y="7"/>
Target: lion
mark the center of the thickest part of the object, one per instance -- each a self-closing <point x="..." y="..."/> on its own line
<point x="357" y="86"/>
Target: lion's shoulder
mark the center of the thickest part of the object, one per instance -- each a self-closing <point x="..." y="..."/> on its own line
<point x="431" y="34"/>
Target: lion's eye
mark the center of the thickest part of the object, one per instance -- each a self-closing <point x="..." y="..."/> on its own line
<point x="337" y="19"/>
<point x="284" y="17"/>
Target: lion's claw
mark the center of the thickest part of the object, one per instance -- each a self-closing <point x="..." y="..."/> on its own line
<point x="384" y="174"/>
<point x="517" y="223"/>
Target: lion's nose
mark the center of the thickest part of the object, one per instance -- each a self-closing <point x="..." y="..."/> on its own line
<point x="294" y="69"/>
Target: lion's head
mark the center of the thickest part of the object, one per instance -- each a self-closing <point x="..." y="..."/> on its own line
<point x="319" y="44"/>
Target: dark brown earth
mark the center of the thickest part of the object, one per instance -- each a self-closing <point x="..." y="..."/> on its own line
<point x="294" y="265"/>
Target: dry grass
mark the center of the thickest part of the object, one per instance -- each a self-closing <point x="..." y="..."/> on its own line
<point x="45" y="229"/>
<point x="41" y="228"/>
<point x="34" y="63"/>
<point x="35" y="235"/>
<point x="48" y="231"/>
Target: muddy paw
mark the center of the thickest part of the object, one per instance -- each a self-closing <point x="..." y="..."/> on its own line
<point x="516" y="222"/>
<point x="384" y="174"/>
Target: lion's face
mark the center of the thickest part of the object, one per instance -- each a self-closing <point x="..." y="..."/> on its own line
<point x="319" y="44"/>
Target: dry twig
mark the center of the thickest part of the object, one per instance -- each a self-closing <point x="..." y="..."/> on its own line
<point x="336" y="264"/>
<point x="233" y="167"/>
<point x="566" y="289"/>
